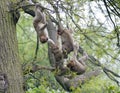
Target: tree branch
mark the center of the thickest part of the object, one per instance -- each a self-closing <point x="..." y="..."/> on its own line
<point x="77" y="81"/>
<point x="37" y="68"/>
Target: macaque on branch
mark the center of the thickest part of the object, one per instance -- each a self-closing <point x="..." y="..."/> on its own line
<point x="57" y="53"/>
<point x="58" y="58"/>
<point x="67" y="40"/>
<point x="40" y="23"/>
<point x="78" y="65"/>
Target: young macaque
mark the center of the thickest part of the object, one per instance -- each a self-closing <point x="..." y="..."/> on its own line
<point x="56" y="51"/>
<point x="40" y="23"/>
<point x="58" y="58"/>
<point x="3" y="82"/>
<point x="67" y="40"/>
<point x="78" y="66"/>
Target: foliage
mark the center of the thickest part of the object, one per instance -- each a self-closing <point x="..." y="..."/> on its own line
<point x="96" y="37"/>
<point x="95" y="85"/>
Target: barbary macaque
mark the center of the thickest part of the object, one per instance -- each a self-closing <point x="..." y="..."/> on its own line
<point x="3" y="82"/>
<point x="40" y="23"/>
<point x="57" y="52"/>
<point x="67" y="40"/>
<point x="58" y="58"/>
<point x="78" y="65"/>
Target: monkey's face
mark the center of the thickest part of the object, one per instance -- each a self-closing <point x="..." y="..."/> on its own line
<point x="60" y="32"/>
<point x="43" y="39"/>
<point x="70" y="64"/>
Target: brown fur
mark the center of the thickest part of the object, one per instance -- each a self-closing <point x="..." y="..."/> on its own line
<point x="40" y="24"/>
<point x="67" y="41"/>
<point x="76" y="66"/>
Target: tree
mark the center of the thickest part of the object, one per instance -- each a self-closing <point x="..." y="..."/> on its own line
<point x="10" y="63"/>
<point x="9" y="58"/>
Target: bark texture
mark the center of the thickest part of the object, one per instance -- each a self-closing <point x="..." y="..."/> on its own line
<point x="9" y="59"/>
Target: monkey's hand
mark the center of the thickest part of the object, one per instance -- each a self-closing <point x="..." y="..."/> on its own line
<point x="51" y="42"/>
<point x="54" y="47"/>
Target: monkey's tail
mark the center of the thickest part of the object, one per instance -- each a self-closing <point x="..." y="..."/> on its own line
<point x="36" y="50"/>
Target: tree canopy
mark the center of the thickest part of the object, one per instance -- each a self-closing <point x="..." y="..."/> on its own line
<point x="96" y="28"/>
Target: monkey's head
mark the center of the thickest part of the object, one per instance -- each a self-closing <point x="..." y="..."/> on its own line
<point x="43" y="39"/>
<point x="71" y="64"/>
<point x="60" y="32"/>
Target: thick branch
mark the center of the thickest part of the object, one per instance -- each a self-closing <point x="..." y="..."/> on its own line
<point x="37" y="68"/>
<point x="52" y="35"/>
<point x="77" y="81"/>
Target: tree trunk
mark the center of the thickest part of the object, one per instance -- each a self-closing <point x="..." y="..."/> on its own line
<point x="9" y="59"/>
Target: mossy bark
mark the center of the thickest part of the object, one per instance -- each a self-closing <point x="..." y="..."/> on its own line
<point x="9" y="59"/>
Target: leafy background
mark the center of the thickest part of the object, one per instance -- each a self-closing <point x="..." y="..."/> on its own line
<point x="95" y="33"/>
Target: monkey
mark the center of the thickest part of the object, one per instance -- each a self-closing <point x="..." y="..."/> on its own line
<point x="55" y="50"/>
<point x="78" y="65"/>
<point x="67" y="40"/>
<point x="3" y="82"/>
<point x="58" y="58"/>
<point x="68" y="45"/>
<point x="40" y="23"/>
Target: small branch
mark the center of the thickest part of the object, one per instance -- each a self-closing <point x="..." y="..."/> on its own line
<point x="115" y="27"/>
<point x="106" y="70"/>
<point x="37" y="68"/>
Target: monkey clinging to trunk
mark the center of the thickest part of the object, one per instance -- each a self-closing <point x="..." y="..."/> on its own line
<point x="67" y="40"/>
<point x="57" y="52"/>
<point x="40" y="23"/>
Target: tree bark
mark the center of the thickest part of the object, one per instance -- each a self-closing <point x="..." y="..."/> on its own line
<point x="52" y="35"/>
<point x="9" y="59"/>
<point x="77" y="81"/>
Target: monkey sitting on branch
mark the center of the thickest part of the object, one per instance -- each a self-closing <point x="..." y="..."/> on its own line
<point x="40" y="23"/>
<point x="78" y="65"/>
<point x="67" y="40"/>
